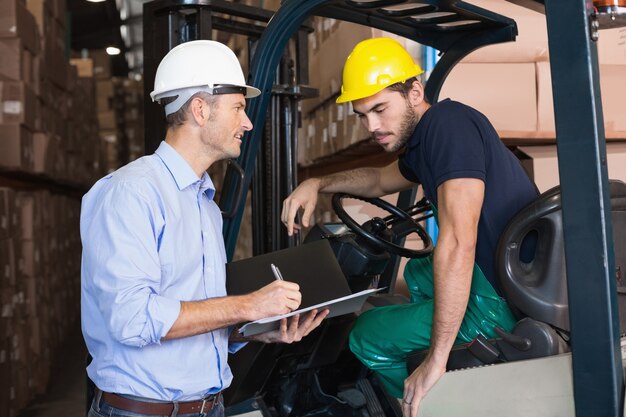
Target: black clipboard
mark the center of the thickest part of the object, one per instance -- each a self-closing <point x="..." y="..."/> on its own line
<point x="313" y="266"/>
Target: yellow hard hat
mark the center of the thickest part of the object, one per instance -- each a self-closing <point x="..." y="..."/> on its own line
<point x="373" y="65"/>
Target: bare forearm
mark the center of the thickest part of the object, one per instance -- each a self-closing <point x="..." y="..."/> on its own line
<point x="453" y="265"/>
<point x="364" y="182"/>
<point x="278" y="297"/>
<point x="199" y="317"/>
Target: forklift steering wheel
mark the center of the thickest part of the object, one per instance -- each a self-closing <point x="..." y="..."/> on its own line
<point x="382" y="232"/>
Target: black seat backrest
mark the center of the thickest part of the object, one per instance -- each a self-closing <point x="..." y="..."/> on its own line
<point x="538" y="288"/>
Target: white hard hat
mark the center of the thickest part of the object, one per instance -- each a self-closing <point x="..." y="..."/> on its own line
<point x="195" y="66"/>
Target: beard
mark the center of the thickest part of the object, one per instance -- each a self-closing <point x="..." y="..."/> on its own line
<point x="407" y="126"/>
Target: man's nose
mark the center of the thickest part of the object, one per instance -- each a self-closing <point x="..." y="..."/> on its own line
<point x="373" y="124"/>
<point x="246" y="123"/>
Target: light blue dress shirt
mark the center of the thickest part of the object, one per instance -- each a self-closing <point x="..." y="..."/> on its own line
<point x="152" y="237"/>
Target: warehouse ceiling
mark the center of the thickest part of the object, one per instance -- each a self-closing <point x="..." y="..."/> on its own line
<point x="118" y="23"/>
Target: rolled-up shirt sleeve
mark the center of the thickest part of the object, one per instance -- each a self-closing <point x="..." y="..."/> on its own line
<point x="121" y="245"/>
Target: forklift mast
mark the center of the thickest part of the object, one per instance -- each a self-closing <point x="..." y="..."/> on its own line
<point x="456" y="28"/>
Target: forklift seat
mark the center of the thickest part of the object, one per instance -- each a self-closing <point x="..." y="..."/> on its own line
<point x="535" y="287"/>
<point x="538" y="289"/>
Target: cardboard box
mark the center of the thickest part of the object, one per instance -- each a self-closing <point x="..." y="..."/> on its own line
<point x="306" y="133"/>
<point x="9" y="222"/>
<point x="101" y="64"/>
<point x="54" y="54"/>
<point x="16" y="20"/>
<point x="504" y="92"/>
<point x="541" y="164"/>
<point x="71" y="76"/>
<point x="19" y="104"/>
<point x="40" y="9"/>
<point x="59" y="10"/>
<point x="53" y="122"/>
<point x="84" y="66"/>
<point x="17" y="61"/>
<point x="5" y="215"/>
<point x="37" y="64"/>
<point x="531" y="43"/>
<point x="16" y="148"/>
<point x="41" y="160"/>
<point x="612" y="46"/>
<point x="31" y="264"/>
<point x="612" y="88"/>
<point x="25" y="204"/>
<point x="104" y="95"/>
<point x="7" y="270"/>
<point x="106" y="120"/>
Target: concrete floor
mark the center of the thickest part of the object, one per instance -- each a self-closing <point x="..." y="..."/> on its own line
<point x="66" y="390"/>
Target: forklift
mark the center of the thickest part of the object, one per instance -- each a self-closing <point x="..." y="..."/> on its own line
<point x="564" y="357"/>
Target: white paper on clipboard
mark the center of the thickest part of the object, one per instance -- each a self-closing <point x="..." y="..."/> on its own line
<point x="339" y="306"/>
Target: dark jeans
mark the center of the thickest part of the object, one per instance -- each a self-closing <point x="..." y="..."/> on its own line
<point x="105" y="410"/>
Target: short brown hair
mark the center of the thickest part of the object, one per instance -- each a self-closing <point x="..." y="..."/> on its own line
<point x="404" y="87"/>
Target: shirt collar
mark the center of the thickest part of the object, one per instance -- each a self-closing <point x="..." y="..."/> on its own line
<point x="416" y="137"/>
<point x="181" y="171"/>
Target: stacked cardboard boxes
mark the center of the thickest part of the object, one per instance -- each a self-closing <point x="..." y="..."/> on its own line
<point x="129" y="111"/>
<point x="48" y="130"/>
<point x="39" y="289"/>
<point x="107" y="123"/>
<point x="44" y="126"/>
<point x="20" y="48"/>
<point x="120" y="118"/>
<point x="511" y="83"/>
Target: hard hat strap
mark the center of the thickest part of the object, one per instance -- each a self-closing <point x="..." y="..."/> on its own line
<point x="184" y="94"/>
<point x="229" y="89"/>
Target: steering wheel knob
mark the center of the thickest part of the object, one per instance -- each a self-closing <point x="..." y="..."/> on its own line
<point x="378" y="225"/>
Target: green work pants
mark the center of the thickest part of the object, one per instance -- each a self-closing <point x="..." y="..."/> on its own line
<point x="383" y="337"/>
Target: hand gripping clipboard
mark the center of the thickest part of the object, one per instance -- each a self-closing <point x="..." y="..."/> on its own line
<point x="313" y="266"/>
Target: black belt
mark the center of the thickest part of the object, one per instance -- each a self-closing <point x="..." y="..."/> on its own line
<point x="160" y="409"/>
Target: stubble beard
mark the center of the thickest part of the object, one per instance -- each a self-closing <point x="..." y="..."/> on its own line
<point x="405" y="131"/>
<point x="215" y="141"/>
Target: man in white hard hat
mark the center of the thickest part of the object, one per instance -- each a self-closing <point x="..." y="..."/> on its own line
<point x="155" y="315"/>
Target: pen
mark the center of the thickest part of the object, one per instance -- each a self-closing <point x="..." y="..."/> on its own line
<point x="276" y="272"/>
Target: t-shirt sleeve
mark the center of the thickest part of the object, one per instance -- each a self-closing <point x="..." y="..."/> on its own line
<point x="454" y="146"/>
<point x="405" y="169"/>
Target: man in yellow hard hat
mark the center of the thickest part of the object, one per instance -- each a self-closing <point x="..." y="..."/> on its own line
<point x="476" y="186"/>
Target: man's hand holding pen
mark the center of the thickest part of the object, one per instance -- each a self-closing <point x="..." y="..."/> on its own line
<point x="282" y="297"/>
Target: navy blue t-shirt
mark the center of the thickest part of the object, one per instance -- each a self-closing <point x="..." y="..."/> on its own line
<point x="453" y="140"/>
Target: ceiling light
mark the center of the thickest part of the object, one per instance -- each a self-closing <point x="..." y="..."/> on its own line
<point x="112" y="50"/>
<point x="96" y="1"/>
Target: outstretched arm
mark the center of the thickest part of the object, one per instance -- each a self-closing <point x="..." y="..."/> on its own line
<point x="196" y="317"/>
<point x="460" y="203"/>
<point x="365" y="182"/>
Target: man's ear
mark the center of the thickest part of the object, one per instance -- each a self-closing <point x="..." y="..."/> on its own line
<point x="416" y="95"/>
<point x="200" y="110"/>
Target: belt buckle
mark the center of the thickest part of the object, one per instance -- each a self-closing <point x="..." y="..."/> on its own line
<point x="204" y="401"/>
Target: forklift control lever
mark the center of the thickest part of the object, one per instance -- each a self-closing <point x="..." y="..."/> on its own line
<point x="518" y="342"/>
